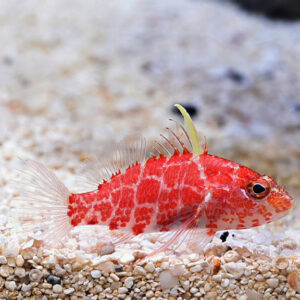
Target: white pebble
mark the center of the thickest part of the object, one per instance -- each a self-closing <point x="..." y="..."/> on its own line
<point x="244" y="280"/>
<point x="59" y="270"/>
<point x="19" y="261"/>
<point x="11" y="261"/>
<point x="272" y="282"/>
<point x="248" y="272"/>
<point x="207" y="287"/>
<point x="208" y="296"/>
<point x="107" y="249"/>
<point x="282" y="263"/>
<point x="231" y="256"/>
<point x="206" y="266"/>
<point x="235" y="269"/>
<point x="68" y="268"/>
<point x="122" y="290"/>
<point x="259" y="277"/>
<point x="138" y="270"/>
<point x="217" y="278"/>
<point x="128" y="282"/>
<point x="12" y="248"/>
<point x="126" y="258"/>
<point x="194" y="257"/>
<point x="49" y="261"/>
<point x="20" y="272"/>
<point x="165" y="265"/>
<point x="114" y="277"/>
<point x="225" y="282"/>
<point x="107" y="267"/>
<point x="35" y="275"/>
<point x="10" y="285"/>
<point x="167" y="280"/>
<point x="149" y="294"/>
<point x="185" y="284"/>
<point x="3" y="260"/>
<point x="57" y="288"/>
<point x="253" y="295"/>
<point x="150" y="267"/>
<point x="196" y="269"/>
<point x="5" y="270"/>
<point x="178" y="270"/>
<point x="69" y="291"/>
<point x="96" y="274"/>
<point x="26" y="287"/>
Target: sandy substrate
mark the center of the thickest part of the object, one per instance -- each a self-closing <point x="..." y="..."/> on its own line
<point x="76" y="76"/>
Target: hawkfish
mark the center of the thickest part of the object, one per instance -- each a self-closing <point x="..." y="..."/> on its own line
<point x="179" y="189"/>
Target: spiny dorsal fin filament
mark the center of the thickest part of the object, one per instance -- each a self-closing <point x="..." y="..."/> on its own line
<point x="182" y="141"/>
<point x="185" y="134"/>
<point x="191" y="130"/>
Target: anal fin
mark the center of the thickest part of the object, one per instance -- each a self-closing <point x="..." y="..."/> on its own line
<point x="187" y="238"/>
<point x="198" y="239"/>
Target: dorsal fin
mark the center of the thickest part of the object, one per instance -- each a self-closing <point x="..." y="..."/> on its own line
<point x="184" y="139"/>
<point x="97" y="170"/>
<point x="191" y="130"/>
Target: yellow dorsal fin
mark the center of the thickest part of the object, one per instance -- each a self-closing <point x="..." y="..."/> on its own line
<point x="191" y="130"/>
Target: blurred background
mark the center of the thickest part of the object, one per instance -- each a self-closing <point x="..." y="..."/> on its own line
<point x="76" y="76"/>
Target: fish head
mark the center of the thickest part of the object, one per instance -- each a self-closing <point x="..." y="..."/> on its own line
<point x="239" y="197"/>
<point x="266" y="192"/>
<point x="257" y="200"/>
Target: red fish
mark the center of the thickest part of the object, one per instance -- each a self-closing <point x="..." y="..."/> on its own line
<point x="182" y="190"/>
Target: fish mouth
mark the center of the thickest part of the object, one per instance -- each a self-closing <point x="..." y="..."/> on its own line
<point x="281" y="201"/>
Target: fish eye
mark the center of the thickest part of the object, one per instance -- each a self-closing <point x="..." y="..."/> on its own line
<point x="258" y="189"/>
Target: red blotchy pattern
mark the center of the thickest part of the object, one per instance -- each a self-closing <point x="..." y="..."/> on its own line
<point x="162" y="193"/>
<point x="143" y="197"/>
<point x="86" y="209"/>
<point x="147" y="191"/>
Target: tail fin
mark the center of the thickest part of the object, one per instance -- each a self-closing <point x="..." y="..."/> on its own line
<point x="42" y="206"/>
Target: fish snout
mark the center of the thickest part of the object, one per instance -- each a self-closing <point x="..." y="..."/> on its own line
<point x="281" y="201"/>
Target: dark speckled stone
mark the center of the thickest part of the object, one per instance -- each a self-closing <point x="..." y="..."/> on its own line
<point x="52" y="279"/>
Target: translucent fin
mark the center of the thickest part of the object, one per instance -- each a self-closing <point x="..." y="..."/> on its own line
<point x="184" y="241"/>
<point x="197" y="240"/>
<point x="180" y="140"/>
<point x="97" y="170"/>
<point x="191" y="130"/>
<point x="176" y="142"/>
<point x="176" y="237"/>
<point x="121" y="237"/>
<point x="43" y="203"/>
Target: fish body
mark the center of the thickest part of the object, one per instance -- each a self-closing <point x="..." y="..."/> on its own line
<point x="161" y="193"/>
<point x="182" y="190"/>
